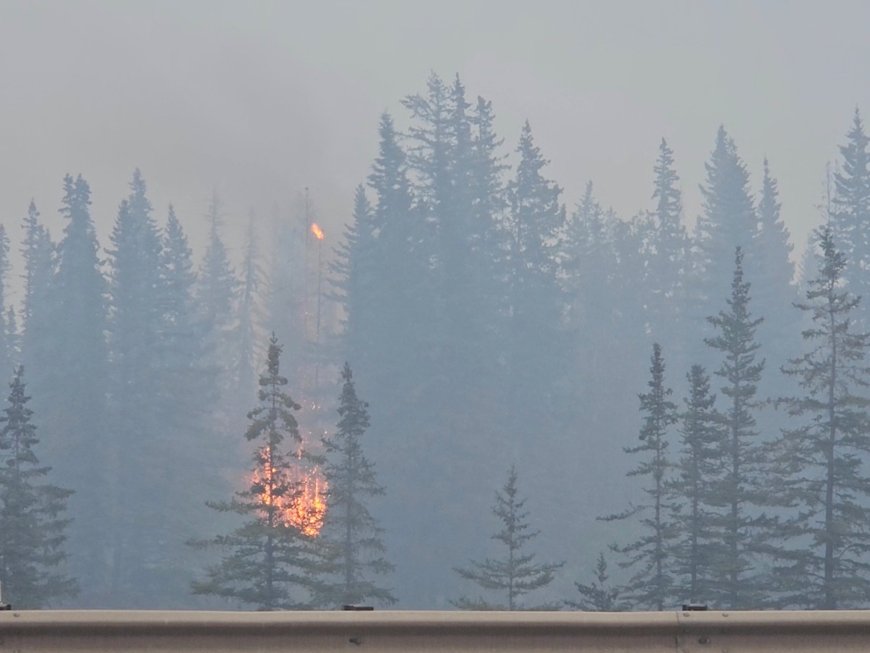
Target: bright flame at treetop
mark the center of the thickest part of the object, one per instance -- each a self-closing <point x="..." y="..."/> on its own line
<point x="317" y="231"/>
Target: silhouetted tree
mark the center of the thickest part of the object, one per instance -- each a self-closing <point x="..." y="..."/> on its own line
<point x="516" y="573"/>
<point x="823" y="563"/>
<point x="651" y="584"/>
<point x="350" y="543"/>
<point x="32" y="512"/>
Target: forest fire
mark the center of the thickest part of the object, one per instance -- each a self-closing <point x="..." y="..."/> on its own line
<point x="317" y="231"/>
<point x="306" y="508"/>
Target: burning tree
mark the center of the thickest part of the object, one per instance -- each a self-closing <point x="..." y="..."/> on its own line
<point x="351" y="547"/>
<point x="268" y="559"/>
<point x="516" y="573"/>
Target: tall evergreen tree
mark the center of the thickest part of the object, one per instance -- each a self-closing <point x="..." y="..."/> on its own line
<point x="516" y="573"/>
<point x="850" y="211"/>
<point x="351" y="539"/>
<point x="353" y="277"/>
<point x="32" y="512"/>
<point x="666" y="251"/>
<point x="8" y="355"/>
<point x="74" y="390"/>
<point x="651" y="585"/>
<point x="536" y="219"/>
<point x="137" y="330"/>
<point x="741" y="497"/>
<point x="266" y="561"/>
<point x="249" y="315"/>
<point x="217" y="292"/>
<point x="38" y="254"/>
<point x="491" y="238"/>
<point x="699" y="473"/>
<point x="728" y="221"/>
<point x="773" y="274"/>
<point x="824" y="562"/>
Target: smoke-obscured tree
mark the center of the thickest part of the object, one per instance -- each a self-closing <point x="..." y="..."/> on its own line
<point x="248" y="353"/>
<point x="187" y="372"/>
<point x="728" y="221"/>
<point x="265" y="562"/>
<point x="587" y="261"/>
<point x="772" y="274"/>
<point x="514" y="573"/>
<point x="699" y="470"/>
<point x="824" y="563"/>
<point x="600" y="595"/>
<point x="651" y="584"/>
<point x="352" y="276"/>
<point x="217" y="290"/>
<point x="137" y="520"/>
<point x="8" y="353"/>
<point x="188" y="390"/>
<point x="286" y="277"/>
<point x="536" y="218"/>
<point x="490" y="240"/>
<point x="741" y="524"/>
<point x="38" y="255"/>
<point x="74" y="389"/>
<point x="850" y="212"/>
<point x="350" y="544"/>
<point x="33" y="520"/>
<point x="666" y="253"/>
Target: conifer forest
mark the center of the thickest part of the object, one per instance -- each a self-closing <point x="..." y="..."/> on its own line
<point x="470" y="391"/>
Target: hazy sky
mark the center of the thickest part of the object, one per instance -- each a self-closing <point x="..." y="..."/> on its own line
<point x="260" y="99"/>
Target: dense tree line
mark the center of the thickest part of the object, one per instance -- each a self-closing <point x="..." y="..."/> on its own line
<point x="489" y="324"/>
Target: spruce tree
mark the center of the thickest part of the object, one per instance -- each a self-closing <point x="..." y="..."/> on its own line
<point x="515" y="573"/>
<point x="7" y="339"/>
<point x="266" y="562"/>
<point x="138" y="516"/>
<point x="32" y="512"/>
<point x="699" y="472"/>
<point x="666" y="251"/>
<point x="824" y="561"/>
<point x="38" y="254"/>
<point x="350" y="542"/>
<point x="601" y="595"/>
<point x="741" y="525"/>
<point x="249" y="315"/>
<point x="352" y="277"/>
<point x="850" y="211"/>
<point x="74" y="389"/>
<point x="536" y="218"/>
<point x="217" y="292"/>
<point x="772" y="274"/>
<point x="728" y="221"/>
<point x="490" y="242"/>
<point x="651" y="585"/>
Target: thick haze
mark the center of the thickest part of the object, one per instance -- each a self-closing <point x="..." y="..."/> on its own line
<point x="260" y="99"/>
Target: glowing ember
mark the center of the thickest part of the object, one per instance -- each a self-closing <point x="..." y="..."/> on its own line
<point x="317" y="231"/>
<point x="304" y="511"/>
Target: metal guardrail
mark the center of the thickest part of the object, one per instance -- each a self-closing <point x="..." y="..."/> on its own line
<point x="433" y="632"/>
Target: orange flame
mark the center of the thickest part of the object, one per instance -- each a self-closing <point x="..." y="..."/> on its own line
<point x="306" y="510"/>
<point x="317" y="231"/>
<point x="303" y="511"/>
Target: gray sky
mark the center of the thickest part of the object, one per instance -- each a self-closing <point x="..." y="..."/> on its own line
<point x="259" y="99"/>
